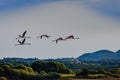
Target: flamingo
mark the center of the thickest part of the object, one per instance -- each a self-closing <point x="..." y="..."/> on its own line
<point x="71" y="37"/>
<point x="43" y="36"/>
<point x="23" y="35"/>
<point x="22" y="42"/>
<point x="58" y="40"/>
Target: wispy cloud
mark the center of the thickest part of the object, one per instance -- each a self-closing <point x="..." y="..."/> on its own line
<point x="106" y="7"/>
<point x="109" y="8"/>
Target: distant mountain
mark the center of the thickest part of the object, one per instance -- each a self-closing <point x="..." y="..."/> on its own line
<point x="118" y="54"/>
<point x="100" y="55"/>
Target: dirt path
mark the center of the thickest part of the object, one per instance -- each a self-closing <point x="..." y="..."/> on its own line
<point x="100" y="79"/>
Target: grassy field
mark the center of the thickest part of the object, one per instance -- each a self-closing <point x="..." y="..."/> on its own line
<point x="96" y="76"/>
<point x="67" y="75"/>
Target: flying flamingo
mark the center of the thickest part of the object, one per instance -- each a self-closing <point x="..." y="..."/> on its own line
<point x="46" y="36"/>
<point x="22" y="43"/>
<point x="71" y="37"/>
<point x="23" y="35"/>
<point x="58" y="40"/>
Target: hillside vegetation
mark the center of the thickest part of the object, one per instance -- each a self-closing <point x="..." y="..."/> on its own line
<point x="38" y="70"/>
<point x="99" y="64"/>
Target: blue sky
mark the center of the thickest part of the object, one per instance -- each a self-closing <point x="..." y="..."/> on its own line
<point x="14" y="4"/>
<point x="105" y="7"/>
<point x="95" y="22"/>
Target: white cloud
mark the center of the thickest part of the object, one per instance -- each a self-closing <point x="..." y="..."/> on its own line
<point x="58" y="19"/>
<point x="110" y="8"/>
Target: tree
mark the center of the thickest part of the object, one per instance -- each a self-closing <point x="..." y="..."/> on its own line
<point x="50" y="67"/>
<point x="21" y="66"/>
<point x="38" y="66"/>
<point x="84" y="72"/>
<point x="1" y="71"/>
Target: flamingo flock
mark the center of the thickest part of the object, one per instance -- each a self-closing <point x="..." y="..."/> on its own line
<point x="24" y="37"/>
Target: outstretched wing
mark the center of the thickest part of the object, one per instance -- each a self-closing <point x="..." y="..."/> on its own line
<point x="23" y="41"/>
<point x="70" y="37"/>
<point x="41" y="36"/>
<point x="24" y="33"/>
<point x="20" y="42"/>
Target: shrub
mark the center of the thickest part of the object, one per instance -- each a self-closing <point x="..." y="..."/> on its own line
<point x="2" y="71"/>
<point x="13" y="73"/>
<point x="29" y="69"/>
<point x="6" y="67"/>
<point x="102" y="71"/>
<point x="53" y="75"/>
<point x="96" y="76"/>
<point x="21" y="66"/>
<point x="3" y="78"/>
<point x="84" y="72"/>
<point x="93" y="71"/>
<point x="43" y="73"/>
<point x="115" y="75"/>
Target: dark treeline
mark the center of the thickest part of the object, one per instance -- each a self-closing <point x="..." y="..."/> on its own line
<point x="38" y="70"/>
